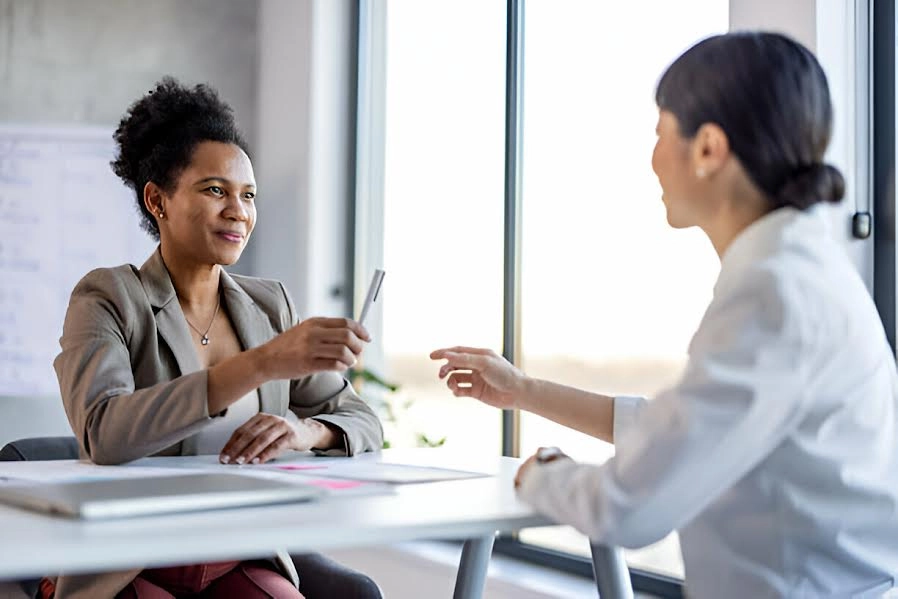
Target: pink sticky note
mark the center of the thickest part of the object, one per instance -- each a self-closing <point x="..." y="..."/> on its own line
<point x="336" y="485"/>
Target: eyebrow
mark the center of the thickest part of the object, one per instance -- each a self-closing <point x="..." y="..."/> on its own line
<point x="222" y="180"/>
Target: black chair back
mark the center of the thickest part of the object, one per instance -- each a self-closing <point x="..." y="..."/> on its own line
<point x="40" y="449"/>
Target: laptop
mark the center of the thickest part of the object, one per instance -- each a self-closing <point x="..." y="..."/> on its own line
<point x="123" y="498"/>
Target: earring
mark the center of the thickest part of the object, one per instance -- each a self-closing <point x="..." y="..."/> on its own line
<point x="161" y="214"/>
<point x="700" y="173"/>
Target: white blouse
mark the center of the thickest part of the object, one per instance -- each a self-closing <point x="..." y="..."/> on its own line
<point x="211" y="439"/>
<point x="776" y="454"/>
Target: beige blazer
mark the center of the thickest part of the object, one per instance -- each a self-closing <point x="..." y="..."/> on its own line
<point x="132" y="384"/>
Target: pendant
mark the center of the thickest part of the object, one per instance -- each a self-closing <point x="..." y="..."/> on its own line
<point x="204" y="340"/>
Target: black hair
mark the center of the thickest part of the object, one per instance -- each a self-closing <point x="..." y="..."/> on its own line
<point x="157" y="136"/>
<point x="770" y="96"/>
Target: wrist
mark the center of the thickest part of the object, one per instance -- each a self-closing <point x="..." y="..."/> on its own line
<point x="260" y="363"/>
<point x="326" y="437"/>
<point x="524" y="392"/>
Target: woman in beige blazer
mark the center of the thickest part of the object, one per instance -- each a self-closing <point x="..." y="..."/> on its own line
<point x="178" y="357"/>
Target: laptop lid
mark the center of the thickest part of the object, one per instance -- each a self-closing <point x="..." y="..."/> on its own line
<point x="102" y="499"/>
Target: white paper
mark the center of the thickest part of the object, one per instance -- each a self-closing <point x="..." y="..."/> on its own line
<point x="18" y="473"/>
<point x="74" y="471"/>
<point x="375" y="471"/>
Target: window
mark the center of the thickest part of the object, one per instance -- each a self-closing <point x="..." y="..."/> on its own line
<point x="610" y="293"/>
<point x="443" y="212"/>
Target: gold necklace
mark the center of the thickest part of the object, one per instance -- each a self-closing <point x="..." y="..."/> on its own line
<point x="204" y="337"/>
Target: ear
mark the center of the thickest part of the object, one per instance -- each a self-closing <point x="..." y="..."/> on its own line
<point x="152" y="198"/>
<point x="710" y="150"/>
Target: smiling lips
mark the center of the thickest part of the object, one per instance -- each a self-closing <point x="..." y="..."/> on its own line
<point x="231" y="236"/>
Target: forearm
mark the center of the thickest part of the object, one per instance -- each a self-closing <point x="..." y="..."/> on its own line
<point x="589" y="413"/>
<point x="231" y="379"/>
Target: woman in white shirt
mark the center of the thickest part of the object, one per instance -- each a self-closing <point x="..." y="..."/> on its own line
<point x="776" y="453"/>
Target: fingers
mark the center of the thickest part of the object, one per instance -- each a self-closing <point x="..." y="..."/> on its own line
<point x="460" y="349"/>
<point x="462" y="361"/>
<point x="242" y="437"/>
<point x="328" y="352"/>
<point x="343" y="337"/>
<point x="465" y="384"/>
<point x="333" y="343"/>
<point x="337" y="353"/>
<point x="273" y="440"/>
<point x="275" y="449"/>
<point x="342" y="323"/>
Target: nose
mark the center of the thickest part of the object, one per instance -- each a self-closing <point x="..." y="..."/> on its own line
<point x="235" y="209"/>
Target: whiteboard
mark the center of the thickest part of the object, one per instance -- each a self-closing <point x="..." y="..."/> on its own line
<point x="63" y="212"/>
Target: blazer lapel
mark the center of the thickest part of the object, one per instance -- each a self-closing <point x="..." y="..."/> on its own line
<point x="170" y="321"/>
<point x="253" y="329"/>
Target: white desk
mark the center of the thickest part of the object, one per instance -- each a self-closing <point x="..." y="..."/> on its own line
<point x="473" y="509"/>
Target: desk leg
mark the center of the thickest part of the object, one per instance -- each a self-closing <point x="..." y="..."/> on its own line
<point x="475" y="557"/>
<point x="610" y="570"/>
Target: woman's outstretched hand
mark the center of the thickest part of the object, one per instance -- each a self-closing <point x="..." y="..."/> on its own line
<point x="482" y="374"/>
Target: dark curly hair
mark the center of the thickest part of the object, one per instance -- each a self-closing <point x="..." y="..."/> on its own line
<point x="158" y="134"/>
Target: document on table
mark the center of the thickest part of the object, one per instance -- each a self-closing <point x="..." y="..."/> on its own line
<point x="346" y="477"/>
<point x="74" y="471"/>
<point x="375" y="471"/>
<point x="336" y="487"/>
<point x="65" y="471"/>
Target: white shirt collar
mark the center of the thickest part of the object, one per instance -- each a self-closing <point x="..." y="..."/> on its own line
<point x="764" y="236"/>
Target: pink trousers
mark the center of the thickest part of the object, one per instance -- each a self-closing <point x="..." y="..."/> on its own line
<point x="250" y="579"/>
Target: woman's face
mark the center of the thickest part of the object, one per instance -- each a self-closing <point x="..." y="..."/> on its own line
<point x="211" y="213"/>
<point x="672" y="163"/>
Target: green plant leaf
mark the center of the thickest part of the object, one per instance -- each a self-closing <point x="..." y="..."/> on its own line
<point x="423" y="441"/>
<point x="368" y="376"/>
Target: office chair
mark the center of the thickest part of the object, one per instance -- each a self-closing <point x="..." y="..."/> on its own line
<point x="38" y="449"/>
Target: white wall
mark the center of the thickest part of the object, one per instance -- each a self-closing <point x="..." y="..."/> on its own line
<point x="793" y="17"/>
<point x="305" y="156"/>
<point x="827" y="28"/>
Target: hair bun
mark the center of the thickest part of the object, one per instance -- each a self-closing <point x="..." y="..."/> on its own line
<point x="812" y="184"/>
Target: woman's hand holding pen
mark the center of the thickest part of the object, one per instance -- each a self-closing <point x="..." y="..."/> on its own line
<point x="313" y="345"/>
<point x="482" y="374"/>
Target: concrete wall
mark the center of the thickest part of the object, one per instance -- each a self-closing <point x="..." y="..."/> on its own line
<point x="86" y="61"/>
